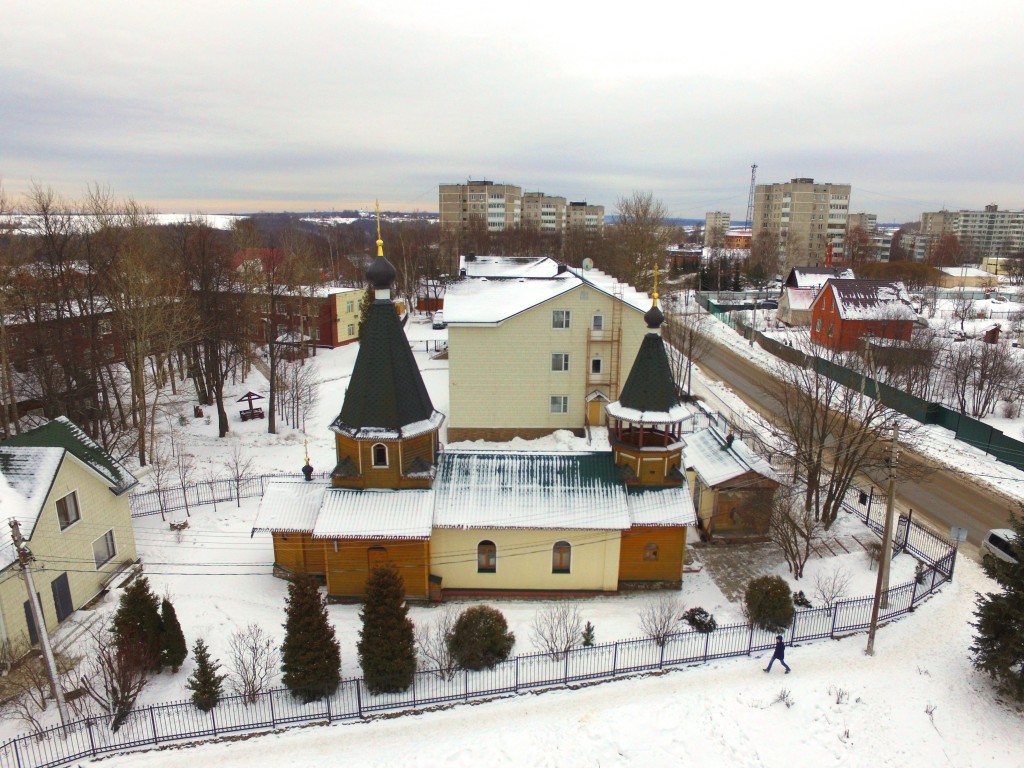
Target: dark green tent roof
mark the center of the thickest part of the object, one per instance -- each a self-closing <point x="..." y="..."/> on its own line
<point x="650" y="386"/>
<point x="386" y="392"/>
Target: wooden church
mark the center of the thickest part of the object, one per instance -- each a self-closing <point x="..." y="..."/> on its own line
<point x="494" y="523"/>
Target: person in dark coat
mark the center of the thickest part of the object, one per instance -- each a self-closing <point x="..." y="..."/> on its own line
<point x="780" y="654"/>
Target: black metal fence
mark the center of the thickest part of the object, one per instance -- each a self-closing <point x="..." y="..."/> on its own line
<point x="164" y="500"/>
<point x="182" y="721"/>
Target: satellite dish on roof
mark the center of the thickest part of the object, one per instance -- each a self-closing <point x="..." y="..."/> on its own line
<point x="588" y="263"/>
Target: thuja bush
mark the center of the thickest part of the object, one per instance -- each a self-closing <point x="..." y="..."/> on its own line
<point x="700" y="620"/>
<point x="480" y="638"/>
<point x="768" y="603"/>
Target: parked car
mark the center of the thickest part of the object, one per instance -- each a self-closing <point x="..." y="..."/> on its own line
<point x="998" y="543"/>
<point x="438" y="322"/>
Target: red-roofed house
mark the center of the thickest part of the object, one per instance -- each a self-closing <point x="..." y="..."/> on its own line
<point x="846" y="311"/>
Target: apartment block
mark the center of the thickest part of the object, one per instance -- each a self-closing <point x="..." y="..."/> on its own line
<point x="587" y="217"/>
<point x="990" y="232"/>
<point x="806" y="216"/>
<point x="544" y="212"/>
<point x="716" y="225"/>
<point x="499" y="206"/>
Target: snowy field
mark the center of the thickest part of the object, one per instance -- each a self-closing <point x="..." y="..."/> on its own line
<point x="846" y="709"/>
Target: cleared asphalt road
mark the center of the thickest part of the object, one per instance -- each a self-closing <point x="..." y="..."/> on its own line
<point x="946" y="498"/>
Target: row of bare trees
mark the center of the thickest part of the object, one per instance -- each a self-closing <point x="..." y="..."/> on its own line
<point x="103" y="310"/>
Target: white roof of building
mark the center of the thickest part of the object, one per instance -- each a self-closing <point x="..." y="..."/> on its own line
<point x="966" y="272"/>
<point x="289" y="505"/>
<point x="375" y="514"/>
<point x="529" y="490"/>
<point x="508" y="266"/>
<point x="26" y="476"/>
<point x="715" y="463"/>
<point x="661" y="506"/>
<point x="800" y="298"/>
<point x="490" y="301"/>
<point x="676" y="413"/>
<point x="816" y="277"/>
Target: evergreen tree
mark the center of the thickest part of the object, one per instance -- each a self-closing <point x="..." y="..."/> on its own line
<point x="588" y="635"/>
<point x="364" y="308"/>
<point x="173" y="649"/>
<point x="998" y="648"/>
<point x="137" y="622"/>
<point x="205" y="683"/>
<point x="480" y="638"/>
<point x="768" y="603"/>
<point x="387" y="649"/>
<point x="310" y="655"/>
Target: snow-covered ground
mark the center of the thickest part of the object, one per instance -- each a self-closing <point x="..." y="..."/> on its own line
<point x="917" y="701"/>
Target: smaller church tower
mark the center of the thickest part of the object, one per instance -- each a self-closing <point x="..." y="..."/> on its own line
<point x="386" y="432"/>
<point x="645" y="423"/>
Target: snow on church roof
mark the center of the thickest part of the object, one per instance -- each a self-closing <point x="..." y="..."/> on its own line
<point x="661" y="506"/>
<point x="529" y="490"/>
<point x="493" y="300"/>
<point x="375" y="514"/>
<point x="289" y="505"/>
<point x="715" y="463"/>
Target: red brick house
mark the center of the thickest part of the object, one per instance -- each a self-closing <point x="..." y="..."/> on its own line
<point x="846" y="311"/>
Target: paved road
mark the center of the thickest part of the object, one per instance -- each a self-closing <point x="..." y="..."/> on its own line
<point x="945" y="497"/>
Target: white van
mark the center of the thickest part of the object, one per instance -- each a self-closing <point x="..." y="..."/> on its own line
<point x="997" y="543"/>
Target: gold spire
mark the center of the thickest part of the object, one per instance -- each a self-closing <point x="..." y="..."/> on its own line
<point x="654" y="294"/>
<point x="380" y="243"/>
<point x="305" y="443"/>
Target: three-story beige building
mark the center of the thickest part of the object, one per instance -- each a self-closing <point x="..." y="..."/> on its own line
<point x="528" y="356"/>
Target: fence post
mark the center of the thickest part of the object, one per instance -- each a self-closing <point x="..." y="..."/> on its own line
<point x="661" y="653"/>
<point x="835" y="617"/>
<point x="213" y="717"/>
<point x="913" y="594"/>
<point x="750" y="644"/>
<point x="707" y="643"/>
<point x="871" y="498"/>
<point x="273" y="719"/>
<point x="465" y="684"/>
<point x="17" y="754"/>
<point x="517" y="673"/>
<point x="331" y="694"/>
<point x="92" y="741"/>
<point x="152" y="722"/>
<point x="565" y="672"/>
<point x="792" y="630"/>
<point x="359" y="700"/>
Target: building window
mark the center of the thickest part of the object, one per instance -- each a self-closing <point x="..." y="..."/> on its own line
<point x="817" y="325"/>
<point x="560" y="318"/>
<point x="831" y="327"/>
<point x="561" y="557"/>
<point x="315" y="334"/>
<point x="559" y="403"/>
<point x="351" y="330"/>
<point x="103" y="549"/>
<point x="67" y="510"/>
<point x="380" y="455"/>
<point x="486" y="557"/>
<point x="598" y="323"/>
<point x="105" y="326"/>
<point x="560" y="361"/>
<point x="349" y="306"/>
<point x="651" y="552"/>
<point x="595" y="365"/>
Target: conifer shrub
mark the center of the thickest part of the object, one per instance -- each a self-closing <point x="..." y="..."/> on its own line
<point x="205" y="682"/>
<point x="137" y="625"/>
<point x="387" y="647"/>
<point x="700" y="620"/>
<point x="310" y="655"/>
<point x="588" y="635"/>
<point x="173" y="649"/>
<point x="480" y="638"/>
<point x="800" y="599"/>
<point x="768" y="603"/>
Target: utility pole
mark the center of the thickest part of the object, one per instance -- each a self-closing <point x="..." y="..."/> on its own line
<point x="882" y="583"/>
<point x="25" y="557"/>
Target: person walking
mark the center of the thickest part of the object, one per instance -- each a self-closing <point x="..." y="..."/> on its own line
<point x="780" y="654"/>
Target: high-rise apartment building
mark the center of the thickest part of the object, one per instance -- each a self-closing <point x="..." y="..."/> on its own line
<point x="498" y="205"/>
<point x="990" y="232"/>
<point x="546" y="213"/>
<point x="805" y="216"/>
<point x="587" y="217"/>
<point x="503" y="206"/>
<point x="716" y="225"/>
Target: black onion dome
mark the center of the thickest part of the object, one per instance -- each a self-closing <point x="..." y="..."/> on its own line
<point x="654" y="317"/>
<point x="381" y="273"/>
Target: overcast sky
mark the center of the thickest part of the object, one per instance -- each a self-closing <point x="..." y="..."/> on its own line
<point x="242" y="106"/>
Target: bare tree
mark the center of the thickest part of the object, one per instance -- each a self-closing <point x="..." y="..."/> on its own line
<point x="25" y="691"/>
<point x="793" y="527"/>
<point x="114" y="676"/>
<point x="238" y="466"/>
<point x="252" y="660"/>
<point x="831" y="586"/>
<point x="638" y="239"/>
<point x="831" y="433"/>
<point x="557" y="628"/>
<point x="996" y="370"/>
<point x="432" y="643"/>
<point x="659" y="617"/>
<point x="688" y="334"/>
